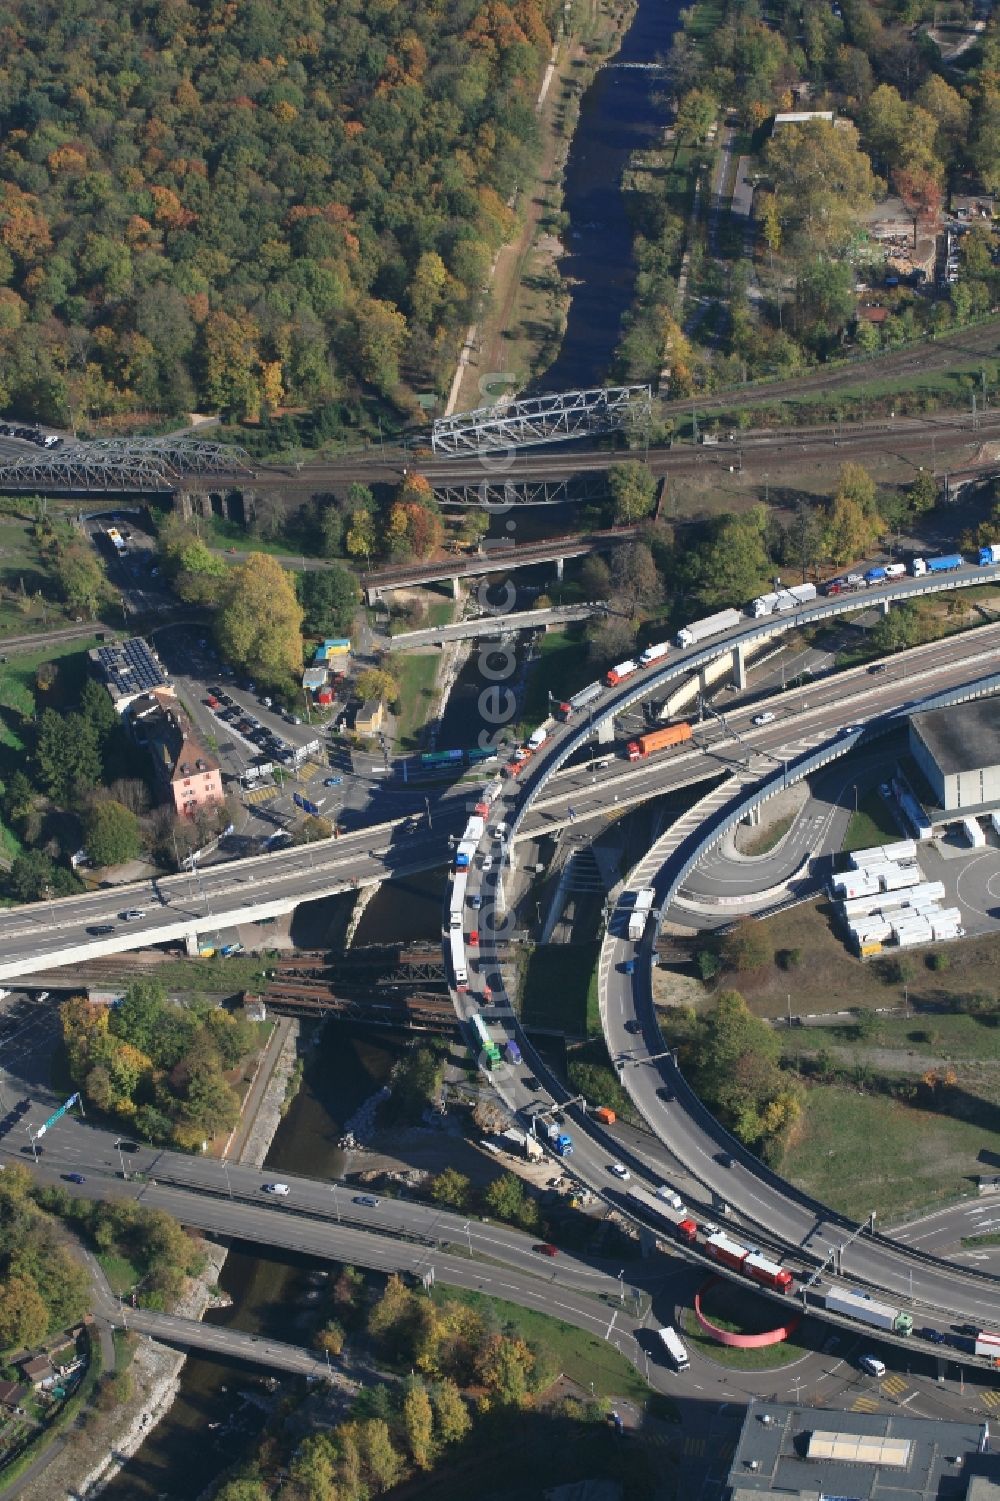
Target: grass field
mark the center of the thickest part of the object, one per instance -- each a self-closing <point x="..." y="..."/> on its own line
<point x="560" y="989"/>
<point x="23" y="574"/>
<point x="121" y="1273"/>
<point x="416" y="674"/>
<point x="769" y="838"/>
<point x="862" y="1152"/>
<point x="564" y="666"/>
<point x="733" y="1309"/>
<point x="582" y="1357"/>
<point x="962" y="1039"/>
<point x="829" y="978"/>
<point x="871" y="824"/>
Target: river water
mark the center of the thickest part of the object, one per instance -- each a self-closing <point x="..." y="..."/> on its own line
<point x="619" y="114"/>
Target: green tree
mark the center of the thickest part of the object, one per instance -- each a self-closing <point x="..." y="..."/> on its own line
<point x="507" y="1199"/>
<point x="633" y="491"/>
<point x="379" y="1455"/>
<point x="329" y="597"/>
<point x="923" y="493"/>
<point x="362" y="540"/>
<point x="697" y="112"/>
<point x="505" y="1368"/>
<point x="896" y="631"/>
<point x="451" y="1187"/>
<point x="733" y="562"/>
<point x="98" y="711"/>
<point x="376" y="682"/>
<point x="66" y="755"/>
<point x="635" y="579"/>
<point x="139" y="1018"/>
<point x="81" y="578"/>
<point x="381" y="335"/>
<point x="111" y="834"/>
<point x="260" y="622"/>
<point x="823" y="182"/>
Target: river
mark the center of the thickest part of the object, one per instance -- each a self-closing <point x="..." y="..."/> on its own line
<point x="619" y="114"/>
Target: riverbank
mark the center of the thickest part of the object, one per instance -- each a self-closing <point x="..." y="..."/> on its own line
<point x="87" y="1466"/>
<point x="524" y="321"/>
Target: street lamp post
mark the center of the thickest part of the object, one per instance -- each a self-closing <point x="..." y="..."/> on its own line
<point x="336" y="1201"/>
<point x="225" y="1169"/>
<point x="121" y="1156"/>
<point x="621" y="1285"/>
<point x="427" y="805"/>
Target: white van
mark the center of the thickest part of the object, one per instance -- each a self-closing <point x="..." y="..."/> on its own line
<point x="872" y="1365"/>
<point x="676" y="1353"/>
<point x="277" y="1188"/>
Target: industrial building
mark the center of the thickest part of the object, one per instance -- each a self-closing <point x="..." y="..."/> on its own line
<point x="958" y="751"/>
<point x="805" y="1454"/>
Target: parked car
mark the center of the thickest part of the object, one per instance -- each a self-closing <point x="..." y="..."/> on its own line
<point x="132" y="914"/>
<point x="367" y="1201"/>
<point x="872" y="1366"/>
<point x="281" y="1189"/>
<point x="74" y="1178"/>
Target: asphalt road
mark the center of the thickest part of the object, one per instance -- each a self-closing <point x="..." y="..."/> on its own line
<point x="53" y="932"/>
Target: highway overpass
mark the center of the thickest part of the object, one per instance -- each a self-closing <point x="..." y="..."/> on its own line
<point x="504" y="624"/>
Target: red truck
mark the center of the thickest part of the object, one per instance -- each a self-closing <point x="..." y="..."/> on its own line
<point x="674" y="734"/>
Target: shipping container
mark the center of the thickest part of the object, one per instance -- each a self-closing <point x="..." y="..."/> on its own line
<point x="605" y="1115"/>
<point x="645" y="745"/>
<point x="870" y="949"/>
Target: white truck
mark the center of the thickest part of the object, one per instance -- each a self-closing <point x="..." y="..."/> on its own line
<point x="654" y="653"/>
<point x="460" y="974"/>
<point x="858" y="1305"/>
<point x="711" y="625"/>
<point x="639" y="913"/>
<point x="782" y="600"/>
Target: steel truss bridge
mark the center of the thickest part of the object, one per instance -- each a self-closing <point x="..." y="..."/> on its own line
<point x="542" y="419"/>
<point x="577" y="489"/>
<point x="125" y="464"/>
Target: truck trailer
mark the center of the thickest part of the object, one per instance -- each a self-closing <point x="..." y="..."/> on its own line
<point x="580" y="700"/>
<point x="645" y="745"/>
<point x="945" y="564"/>
<point x="654" y="653"/>
<point x="781" y="600"/>
<point x="619" y="673"/>
<point x="711" y="625"/>
<point x="639" y="913"/>
<point x="858" y="1305"/>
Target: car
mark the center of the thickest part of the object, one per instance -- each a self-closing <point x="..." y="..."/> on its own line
<point x="281" y="1189"/>
<point x="708" y="1228"/>
<point x="332" y="781"/>
<point x="487" y="862"/>
<point x="628" y="968"/>
<point x="633" y="1025"/>
<point x="212" y="701"/>
<point x="878" y="667"/>
<point x="367" y="1201"/>
<point x="74" y="1178"/>
<point x="669" y="1196"/>
<point x="132" y="914"/>
<point x="530" y="1082"/>
<point x="767" y="717"/>
<point x="885" y="790"/>
<point x="619" y="1170"/>
<point x="724" y="1159"/>
<point x="933" y="1335"/>
<point x="473" y="939"/>
<point x="266" y="701"/>
<point x="872" y="1366"/>
<point x="129" y="1146"/>
<point x="99" y="930"/>
<point x="475" y="901"/>
<point x="544" y="1249"/>
<point x="663" y="1093"/>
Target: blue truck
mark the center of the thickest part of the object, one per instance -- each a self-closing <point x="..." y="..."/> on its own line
<point x="512" y="1050"/>
<point x="946" y="564"/>
<point x="989" y="554"/>
<point x="560" y="1143"/>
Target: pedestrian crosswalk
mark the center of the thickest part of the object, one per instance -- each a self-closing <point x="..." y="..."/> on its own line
<point x="694" y="1448"/>
<point x="990" y="1400"/>
<point x="894" y="1385"/>
<point x="865" y="1404"/>
<point x="257" y="795"/>
<point x="310" y="769"/>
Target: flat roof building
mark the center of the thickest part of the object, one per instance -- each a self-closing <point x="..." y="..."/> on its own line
<point x="128" y="670"/>
<point x="804" y="1454"/>
<point x="958" y="751"/>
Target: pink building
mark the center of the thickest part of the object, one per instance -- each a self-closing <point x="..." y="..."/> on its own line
<point x="186" y="773"/>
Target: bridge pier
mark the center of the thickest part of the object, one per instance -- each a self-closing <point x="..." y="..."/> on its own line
<point x="560" y="564"/>
<point x="455" y="591"/>
<point x="739" y="667"/>
<point x="884" y="606"/>
<point x="191" y="943"/>
<point x="606" y="730"/>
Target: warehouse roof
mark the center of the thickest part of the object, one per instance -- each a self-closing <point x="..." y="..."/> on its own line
<point x="962" y="738"/>
<point x="800" y="1452"/>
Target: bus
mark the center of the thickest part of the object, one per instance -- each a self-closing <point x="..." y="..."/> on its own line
<point x="676" y="1353"/>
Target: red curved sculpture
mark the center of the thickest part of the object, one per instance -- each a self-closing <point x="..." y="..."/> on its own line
<point x="741" y="1341"/>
